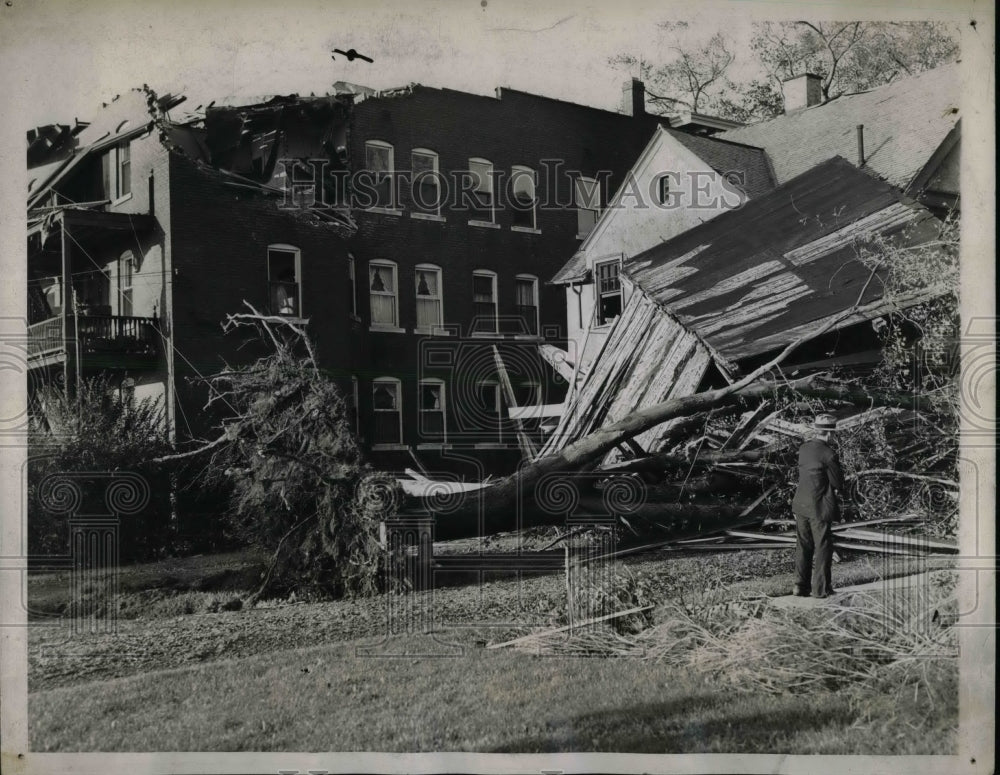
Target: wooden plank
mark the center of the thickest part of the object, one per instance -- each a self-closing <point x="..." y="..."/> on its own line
<point x="782" y="538"/>
<point x="564" y="628"/>
<point x="527" y="448"/>
<point x="557" y="359"/>
<point x="915" y="541"/>
<point x="744" y="429"/>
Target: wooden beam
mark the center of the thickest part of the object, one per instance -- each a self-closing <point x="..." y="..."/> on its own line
<point x="527" y="448"/>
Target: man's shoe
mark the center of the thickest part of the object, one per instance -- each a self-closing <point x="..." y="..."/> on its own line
<point x="800" y="592"/>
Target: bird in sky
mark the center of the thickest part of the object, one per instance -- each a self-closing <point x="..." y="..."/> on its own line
<point x="351" y="55"/>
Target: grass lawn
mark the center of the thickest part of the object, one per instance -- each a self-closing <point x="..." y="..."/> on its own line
<point x="288" y="677"/>
<point x="330" y="699"/>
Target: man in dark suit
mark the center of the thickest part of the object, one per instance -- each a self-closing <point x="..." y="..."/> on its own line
<point x="815" y="509"/>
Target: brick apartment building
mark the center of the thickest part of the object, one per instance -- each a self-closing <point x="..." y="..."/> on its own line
<point x="159" y="224"/>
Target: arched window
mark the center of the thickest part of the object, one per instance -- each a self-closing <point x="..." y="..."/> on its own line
<point x="522" y="187"/>
<point x="430" y="304"/>
<point x="388" y="410"/>
<point x="382" y="294"/>
<point x="484" y="301"/>
<point x="526" y="301"/>
<point x="431" y="397"/>
<point x="380" y="165"/>
<point x="425" y="184"/>
<point x="284" y="272"/>
<point x="481" y="174"/>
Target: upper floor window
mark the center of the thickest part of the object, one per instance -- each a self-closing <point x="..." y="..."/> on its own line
<point x="388" y="411"/>
<point x="126" y="274"/>
<point x="283" y="272"/>
<point x="116" y="170"/>
<point x="522" y="181"/>
<point x="425" y="188"/>
<point x="352" y="286"/>
<point x="382" y="293"/>
<point x="587" y="195"/>
<point x="526" y="301"/>
<point x="484" y="299"/>
<point x="430" y="313"/>
<point x="481" y="172"/>
<point x="380" y="164"/>
<point x="663" y="189"/>
<point x="609" y="291"/>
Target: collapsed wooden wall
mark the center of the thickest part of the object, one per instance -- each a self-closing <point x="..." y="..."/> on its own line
<point x="646" y="358"/>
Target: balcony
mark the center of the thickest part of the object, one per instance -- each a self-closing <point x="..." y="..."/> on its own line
<point x="105" y="341"/>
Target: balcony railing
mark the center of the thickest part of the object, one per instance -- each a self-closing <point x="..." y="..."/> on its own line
<point x="105" y="335"/>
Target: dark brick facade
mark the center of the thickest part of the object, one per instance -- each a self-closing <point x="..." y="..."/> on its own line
<point x="514" y="128"/>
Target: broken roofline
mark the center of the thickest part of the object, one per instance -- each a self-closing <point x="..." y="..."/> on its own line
<point x="457" y="189"/>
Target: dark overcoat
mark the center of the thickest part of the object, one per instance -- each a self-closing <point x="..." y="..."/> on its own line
<point x="819" y="476"/>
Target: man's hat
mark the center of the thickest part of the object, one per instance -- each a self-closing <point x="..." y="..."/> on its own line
<point x="825" y="422"/>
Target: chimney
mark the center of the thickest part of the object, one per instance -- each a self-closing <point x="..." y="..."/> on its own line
<point x="633" y="98"/>
<point x="802" y="91"/>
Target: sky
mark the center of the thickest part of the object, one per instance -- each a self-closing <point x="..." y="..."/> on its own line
<point x="62" y="58"/>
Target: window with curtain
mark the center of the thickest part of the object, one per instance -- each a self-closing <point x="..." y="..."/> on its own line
<point x="428" y="289"/>
<point x="382" y="293"/>
<point x="526" y="301"/>
<point x="484" y="300"/>
<point x="523" y="187"/>
<point x="481" y="172"/>
<point x="283" y="281"/>
<point x="388" y="412"/>
<point x="432" y="409"/>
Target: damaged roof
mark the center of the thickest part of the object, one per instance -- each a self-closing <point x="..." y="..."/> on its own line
<point x="755" y="279"/>
<point x="904" y="124"/>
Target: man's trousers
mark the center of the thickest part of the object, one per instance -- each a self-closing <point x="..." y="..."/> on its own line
<point x="813" y="555"/>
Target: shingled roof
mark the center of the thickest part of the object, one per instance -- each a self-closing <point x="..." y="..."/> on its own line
<point x="904" y="123"/>
<point x="731" y="155"/>
<point x="755" y="279"/>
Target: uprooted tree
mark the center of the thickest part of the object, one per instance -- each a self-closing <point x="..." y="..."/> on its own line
<point x="299" y="487"/>
<point x="905" y="458"/>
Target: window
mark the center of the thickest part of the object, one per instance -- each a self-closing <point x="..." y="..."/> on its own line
<point x="490" y="407"/>
<point x="663" y="189"/>
<point x="609" y="291"/>
<point x="284" y="289"/>
<point x="481" y="172"/>
<point x="484" y="301"/>
<point x="116" y="171"/>
<point x="352" y="407"/>
<point x="523" y="187"/>
<point x="126" y="272"/>
<point x="529" y="393"/>
<point x="388" y="412"/>
<point x="526" y="301"/>
<point x="353" y="287"/>
<point x="425" y="186"/>
<point x="379" y="164"/>
<point x="432" y="409"/>
<point x="429" y="308"/>
<point x="587" y="195"/>
<point x="382" y="293"/>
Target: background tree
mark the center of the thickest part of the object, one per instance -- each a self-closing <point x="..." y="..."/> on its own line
<point x="98" y="429"/>
<point x="852" y="56"/>
<point x="691" y="76"/>
<point x="713" y="76"/>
